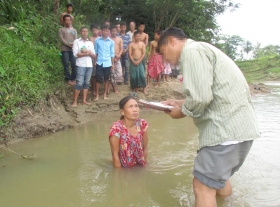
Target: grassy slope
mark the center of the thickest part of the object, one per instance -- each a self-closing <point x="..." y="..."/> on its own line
<point x="266" y="68"/>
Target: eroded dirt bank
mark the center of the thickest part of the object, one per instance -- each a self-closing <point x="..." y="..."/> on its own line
<point x="57" y="114"/>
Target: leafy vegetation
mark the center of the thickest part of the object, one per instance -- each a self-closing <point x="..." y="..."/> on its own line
<point x="265" y="68"/>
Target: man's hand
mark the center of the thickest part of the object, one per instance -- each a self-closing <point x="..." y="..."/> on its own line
<point x="176" y="113"/>
<point x="113" y="67"/>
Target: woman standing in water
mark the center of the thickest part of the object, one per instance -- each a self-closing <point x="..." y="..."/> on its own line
<point x="128" y="136"/>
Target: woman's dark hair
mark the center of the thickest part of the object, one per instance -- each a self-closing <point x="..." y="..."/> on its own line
<point x="123" y="102"/>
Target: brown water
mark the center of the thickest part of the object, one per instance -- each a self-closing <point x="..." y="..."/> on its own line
<point x="73" y="168"/>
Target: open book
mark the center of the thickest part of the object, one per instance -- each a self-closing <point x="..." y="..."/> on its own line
<point x="156" y="105"/>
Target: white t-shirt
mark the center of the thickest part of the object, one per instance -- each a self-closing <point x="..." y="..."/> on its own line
<point x="77" y="46"/>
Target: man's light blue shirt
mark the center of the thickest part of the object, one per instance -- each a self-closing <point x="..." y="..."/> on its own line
<point x="104" y="49"/>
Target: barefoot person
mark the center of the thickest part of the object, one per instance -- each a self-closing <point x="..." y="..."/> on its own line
<point x="155" y="65"/>
<point x="83" y="50"/>
<point x="105" y="54"/>
<point x="145" y="39"/>
<point x="128" y="136"/>
<point x="118" y="43"/>
<point x="67" y="35"/>
<point x="69" y="10"/>
<point x="124" y="57"/>
<point x="94" y="30"/>
<point x="218" y="98"/>
<point x="136" y="52"/>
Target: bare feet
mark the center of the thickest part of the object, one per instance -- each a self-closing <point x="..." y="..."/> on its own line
<point x="94" y="93"/>
<point x="105" y="97"/>
<point x="156" y="86"/>
<point x="96" y="99"/>
<point x="145" y="91"/>
<point x="71" y="83"/>
<point x="74" y="105"/>
<point x="86" y="103"/>
<point x="116" y="92"/>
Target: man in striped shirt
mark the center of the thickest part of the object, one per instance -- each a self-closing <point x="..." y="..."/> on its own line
<point x="219" y="100"/>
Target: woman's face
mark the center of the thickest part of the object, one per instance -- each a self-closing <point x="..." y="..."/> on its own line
<point x="130" y="110"/>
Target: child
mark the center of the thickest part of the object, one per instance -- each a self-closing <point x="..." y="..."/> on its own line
<point x="166" y="72"/>
<point x="155" y="66"/>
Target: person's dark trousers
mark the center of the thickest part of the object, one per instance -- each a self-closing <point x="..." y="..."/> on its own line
<point x="125" y="64"/>
<point x="67" y="56"/>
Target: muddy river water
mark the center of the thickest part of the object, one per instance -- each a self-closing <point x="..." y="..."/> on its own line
<point x="73" y="168"/>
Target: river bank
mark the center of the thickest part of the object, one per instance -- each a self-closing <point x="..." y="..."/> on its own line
<point x="56" y="113"/>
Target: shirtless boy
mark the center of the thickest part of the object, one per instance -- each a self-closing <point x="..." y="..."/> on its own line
<point x="136" y="52"/>
<point x="143" y="38"/>
<point x="69" y="9"/>
<point x="118" y="43"/>
<point x="155" y="65"/>
<point x="94" y="30"/>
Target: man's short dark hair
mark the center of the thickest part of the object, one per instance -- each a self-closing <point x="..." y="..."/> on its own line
<point x="106" y="21"/>
<point x="122" y="23"/>
<point x="83" y="27"/>
<point x="104" y="26"/>
<point x="93" y="26"/>
<point x="141" y="23"/>
<point x="69" y="5"/>
<point x="136" y="33"/>
<point x="159" y="32"/>
<point x="113" y="27"/>
<point x="171" y="32"/>
<point x="65" y="16"/>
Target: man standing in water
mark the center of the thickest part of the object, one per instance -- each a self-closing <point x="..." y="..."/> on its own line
<point x="67" y="35"/>
<point x="136" y="52"/>
<point x="218" y="98"/>
<point x="132" y="30"/>
<point x="145" y="39"/>
<point x="69" y="9"/>
<point x="105" y="54"/>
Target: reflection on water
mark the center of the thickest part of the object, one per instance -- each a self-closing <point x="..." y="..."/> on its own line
<point x="74" y="167"/>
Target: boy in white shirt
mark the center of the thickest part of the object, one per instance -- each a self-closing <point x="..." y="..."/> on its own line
<point x="83" y="50"/>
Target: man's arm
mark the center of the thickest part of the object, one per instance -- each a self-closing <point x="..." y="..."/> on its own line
<point x="112" y="53"/>
<point x="147" y="40"/>
<point x="130" y="53"/>
<point x="62" y="40"/>
<point x="150" y="51"/>
<point x="121" y="50"/>
<point x="143" y="52"/>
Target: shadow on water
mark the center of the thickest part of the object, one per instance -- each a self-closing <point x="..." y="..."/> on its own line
<point x="73" y="168"/>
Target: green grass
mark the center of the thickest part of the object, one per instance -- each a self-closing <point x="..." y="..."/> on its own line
<point x="262" y="69"/>
<point x="30" y="68"/>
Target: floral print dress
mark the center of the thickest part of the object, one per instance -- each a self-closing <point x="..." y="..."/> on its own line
<point x="131" y="147"/>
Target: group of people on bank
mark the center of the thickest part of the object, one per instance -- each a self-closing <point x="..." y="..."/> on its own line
<point x="111" y="55"/>
<point x="217" y="97"/>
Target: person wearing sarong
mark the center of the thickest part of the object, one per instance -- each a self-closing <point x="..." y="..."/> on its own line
<point x="136" y="53"/>
<point x="144" y="37"/>
<point x="155" y="65"/>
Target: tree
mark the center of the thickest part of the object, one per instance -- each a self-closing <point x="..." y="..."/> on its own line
<point x="232" y="46"/>
<point x="268" y="50"/>
<point x="248" y="47"/>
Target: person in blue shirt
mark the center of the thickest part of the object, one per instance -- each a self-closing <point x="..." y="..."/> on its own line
<point x="104" y="49"/>
<point x="124" y="57"/>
